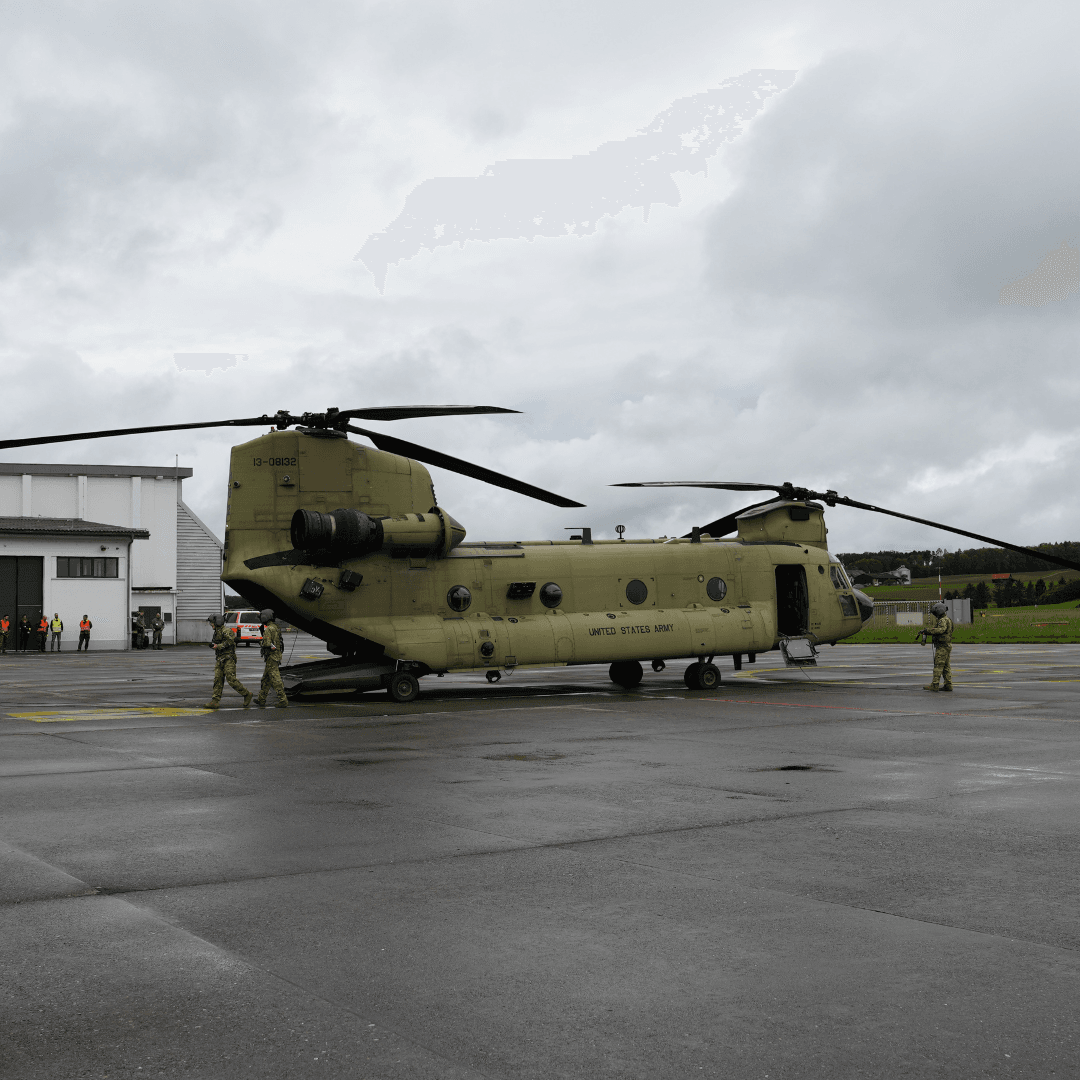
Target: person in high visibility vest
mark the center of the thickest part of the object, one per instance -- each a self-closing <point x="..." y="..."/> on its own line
<point x="57" y="628"/>
<point x="85" y="626"/>
<point x="5" y="629"/>
<point x="43" y="632"/>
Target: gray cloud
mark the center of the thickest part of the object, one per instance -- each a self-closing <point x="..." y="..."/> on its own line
<point x="823" y="306"/>
<point x="207" y="362"/>
<point x="524" y="199"/>
<point x="1055" y="278"/>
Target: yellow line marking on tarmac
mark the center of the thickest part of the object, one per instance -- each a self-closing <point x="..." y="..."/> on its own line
<point x="56" y="716"/>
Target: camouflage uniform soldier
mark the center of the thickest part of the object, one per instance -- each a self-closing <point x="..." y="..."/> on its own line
<point x="157" y="624"/>
<point x="271" y="654"/>
<point x="224" y="646"/>
<point x="941" y="633"/>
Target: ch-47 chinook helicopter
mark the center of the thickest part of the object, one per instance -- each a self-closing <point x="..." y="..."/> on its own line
<point x="349" y="544"/>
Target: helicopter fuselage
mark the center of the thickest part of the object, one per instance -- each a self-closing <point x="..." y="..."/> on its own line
<point x="402" y="587"/>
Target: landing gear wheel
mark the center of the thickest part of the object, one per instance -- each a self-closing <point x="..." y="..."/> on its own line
<point x="708" y="677"/>
<point x="494" y="676"/>
<point x="689" y="676"/>
<point x="404" y="686"/>
<point x="627" y="673"/>
<point x="658" y="665"/>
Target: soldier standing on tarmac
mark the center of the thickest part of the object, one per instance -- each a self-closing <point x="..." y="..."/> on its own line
<point x="224" y="646"/>
<point x="941" y="633"/>
<point x="157" y="624"/>
<point x="43" y="633"/>
<point x="57" y="628"/>
<point x="271" y="654"/>
<point x="85" y="626"/>
<point x="5" y="629"/>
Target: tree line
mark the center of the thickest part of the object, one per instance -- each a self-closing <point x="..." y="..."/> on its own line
<point x="1013" y="593"/>
<point x="973" y="561"/>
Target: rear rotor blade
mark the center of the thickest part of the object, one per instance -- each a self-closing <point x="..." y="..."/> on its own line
<point x="465" y="468"/>
<point x="253" y="421"/>
<point x="406" y="412"/>
<point x="281" y="420"/>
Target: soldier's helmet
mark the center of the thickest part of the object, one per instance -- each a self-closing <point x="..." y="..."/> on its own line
<point x="216" y="620"/>
<point x="266" y="615"/>
<point x="938" y="609"/>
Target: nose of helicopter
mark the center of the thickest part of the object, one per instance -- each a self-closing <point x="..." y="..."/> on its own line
<point x="866" y="605"/>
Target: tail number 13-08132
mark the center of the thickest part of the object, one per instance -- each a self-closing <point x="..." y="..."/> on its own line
<point x="275" y="461"/>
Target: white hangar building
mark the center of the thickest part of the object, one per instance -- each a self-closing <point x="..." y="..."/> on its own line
<point x="104" y="541"/>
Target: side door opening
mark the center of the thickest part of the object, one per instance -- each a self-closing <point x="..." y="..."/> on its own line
<point x="792" y="601"/>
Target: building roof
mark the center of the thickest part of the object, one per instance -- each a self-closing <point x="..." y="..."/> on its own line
<point x="200" y="524"/>
<point x="164" y="472"/>
<point x="43" y="526"/>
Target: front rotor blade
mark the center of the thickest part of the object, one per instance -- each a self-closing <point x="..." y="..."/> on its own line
<point x="253" y="421"/>
<point x="726" y="524"/>
<point x="722" y="485"/>
<point x="465" y="468"/>
<point x="405" y="412"/>
<point x="842" y="500"/>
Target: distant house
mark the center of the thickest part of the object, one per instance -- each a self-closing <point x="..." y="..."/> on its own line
<point x="900" y="576"/>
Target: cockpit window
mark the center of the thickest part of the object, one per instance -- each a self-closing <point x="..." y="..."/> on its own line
<point x="837" y="576"/>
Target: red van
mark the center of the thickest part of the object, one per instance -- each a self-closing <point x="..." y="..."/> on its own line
<point x="247" y="624"/>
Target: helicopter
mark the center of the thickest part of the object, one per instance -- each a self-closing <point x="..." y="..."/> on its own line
<point x="348" y="543"/>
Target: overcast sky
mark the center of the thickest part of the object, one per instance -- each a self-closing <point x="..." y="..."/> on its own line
<point x="823" y="303"/>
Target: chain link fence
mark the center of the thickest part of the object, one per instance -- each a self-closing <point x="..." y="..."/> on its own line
<point x="889" y="613"/>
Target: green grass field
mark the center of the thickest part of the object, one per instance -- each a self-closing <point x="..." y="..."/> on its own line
<point x="1050" y="624"/>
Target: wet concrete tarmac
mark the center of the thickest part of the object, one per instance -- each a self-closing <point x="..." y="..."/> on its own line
<point x="824" y="873"/>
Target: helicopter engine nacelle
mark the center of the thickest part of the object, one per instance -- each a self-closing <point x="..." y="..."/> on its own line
<point x="784" y="522"/>
<point x="350" y="534"/>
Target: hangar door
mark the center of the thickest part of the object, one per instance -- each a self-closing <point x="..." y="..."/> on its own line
<point x="21" y="583"/>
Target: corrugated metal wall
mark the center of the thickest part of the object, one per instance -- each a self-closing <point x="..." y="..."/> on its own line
<point x="198" y="576"/>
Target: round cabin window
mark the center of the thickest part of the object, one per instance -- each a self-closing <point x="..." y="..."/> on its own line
<point x="637" y="592"/>
<point x="717" y="588"/>
<point x="458" y="598"/>
<point x="551" y="595"/>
